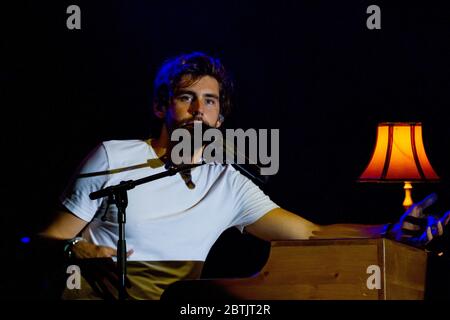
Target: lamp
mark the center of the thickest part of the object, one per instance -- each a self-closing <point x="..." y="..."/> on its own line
<point x="399" y="156"/>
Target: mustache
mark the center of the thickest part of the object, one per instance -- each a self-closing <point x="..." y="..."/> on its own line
<point x="190" y="122"/>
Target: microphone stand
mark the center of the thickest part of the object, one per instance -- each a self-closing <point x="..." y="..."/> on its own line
<point x="117" y="194"/>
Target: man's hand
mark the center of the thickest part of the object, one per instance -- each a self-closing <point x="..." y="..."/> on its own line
<point x="98" y="268"/>
<point x="417" y="228"/>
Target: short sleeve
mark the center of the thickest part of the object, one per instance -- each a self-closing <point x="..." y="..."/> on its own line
<point x="249" y="200"/>
<point x="91" y="175"/>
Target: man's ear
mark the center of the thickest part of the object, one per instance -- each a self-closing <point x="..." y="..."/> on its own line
<point x="159" y="110"/>
<point x="220" y="120"/>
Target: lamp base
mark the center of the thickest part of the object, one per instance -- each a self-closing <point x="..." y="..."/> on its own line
<point x="408" y="201"/>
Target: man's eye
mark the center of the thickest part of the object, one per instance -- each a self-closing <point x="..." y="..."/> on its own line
<point x="211" y="102"/>
<point x="185" y="98"/>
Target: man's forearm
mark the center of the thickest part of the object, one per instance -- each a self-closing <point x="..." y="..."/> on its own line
<point x="280" y="224"/>
<point x="334" y="231"/>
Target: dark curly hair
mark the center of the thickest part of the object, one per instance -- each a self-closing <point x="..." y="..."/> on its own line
<point x="196" y="65"/>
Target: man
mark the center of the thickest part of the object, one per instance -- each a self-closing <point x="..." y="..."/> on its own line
<point x="172" y="223"/>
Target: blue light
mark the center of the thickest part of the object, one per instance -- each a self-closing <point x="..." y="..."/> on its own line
<point x="25" y="240"/>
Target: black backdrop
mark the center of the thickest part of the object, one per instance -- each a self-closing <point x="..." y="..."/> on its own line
<point x="310" y="68"/>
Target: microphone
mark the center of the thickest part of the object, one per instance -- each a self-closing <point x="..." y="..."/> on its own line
<point x="250" y="170"/>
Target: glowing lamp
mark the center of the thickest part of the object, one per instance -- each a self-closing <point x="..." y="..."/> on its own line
<point x="399" y="156"/>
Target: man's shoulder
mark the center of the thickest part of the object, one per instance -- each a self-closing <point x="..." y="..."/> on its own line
<point x="122" y="152"/>
<point x="117" y="144"/>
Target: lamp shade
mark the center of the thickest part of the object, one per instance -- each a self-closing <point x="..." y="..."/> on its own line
<point x="399" y="155"/>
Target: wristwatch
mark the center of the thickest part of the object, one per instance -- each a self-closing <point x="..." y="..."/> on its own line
<point x="69" y="245"/>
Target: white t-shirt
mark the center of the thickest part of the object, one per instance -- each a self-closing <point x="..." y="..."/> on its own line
<point x="165" y="219"/>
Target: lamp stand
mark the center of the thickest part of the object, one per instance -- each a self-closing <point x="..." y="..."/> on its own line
<point x="408" y="201"/>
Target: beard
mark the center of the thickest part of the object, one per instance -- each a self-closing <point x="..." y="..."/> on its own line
<point x="190" y="124"/>
<point x="196" y="127"/>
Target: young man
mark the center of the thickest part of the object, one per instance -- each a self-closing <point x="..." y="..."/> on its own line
<point x="172" y="223"/>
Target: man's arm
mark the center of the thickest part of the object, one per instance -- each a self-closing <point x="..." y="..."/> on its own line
<point x="414" y="227"/>
<point x="66" y="226"/>
<point x="280" y="224"/>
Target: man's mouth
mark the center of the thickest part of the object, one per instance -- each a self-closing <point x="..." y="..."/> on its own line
<point x="191" y="123"/>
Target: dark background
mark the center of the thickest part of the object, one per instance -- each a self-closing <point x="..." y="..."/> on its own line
<point x="310" y="68"/>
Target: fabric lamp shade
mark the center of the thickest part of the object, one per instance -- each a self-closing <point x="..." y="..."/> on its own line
<point x="399" y="155"/>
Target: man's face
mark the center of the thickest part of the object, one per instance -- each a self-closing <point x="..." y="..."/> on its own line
<point x="198" y="101"/>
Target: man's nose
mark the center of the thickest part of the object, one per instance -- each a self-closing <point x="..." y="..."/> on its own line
<point x="197" y="106"/>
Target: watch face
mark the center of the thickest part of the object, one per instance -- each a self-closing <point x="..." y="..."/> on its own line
<point x="68" y="247"/>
